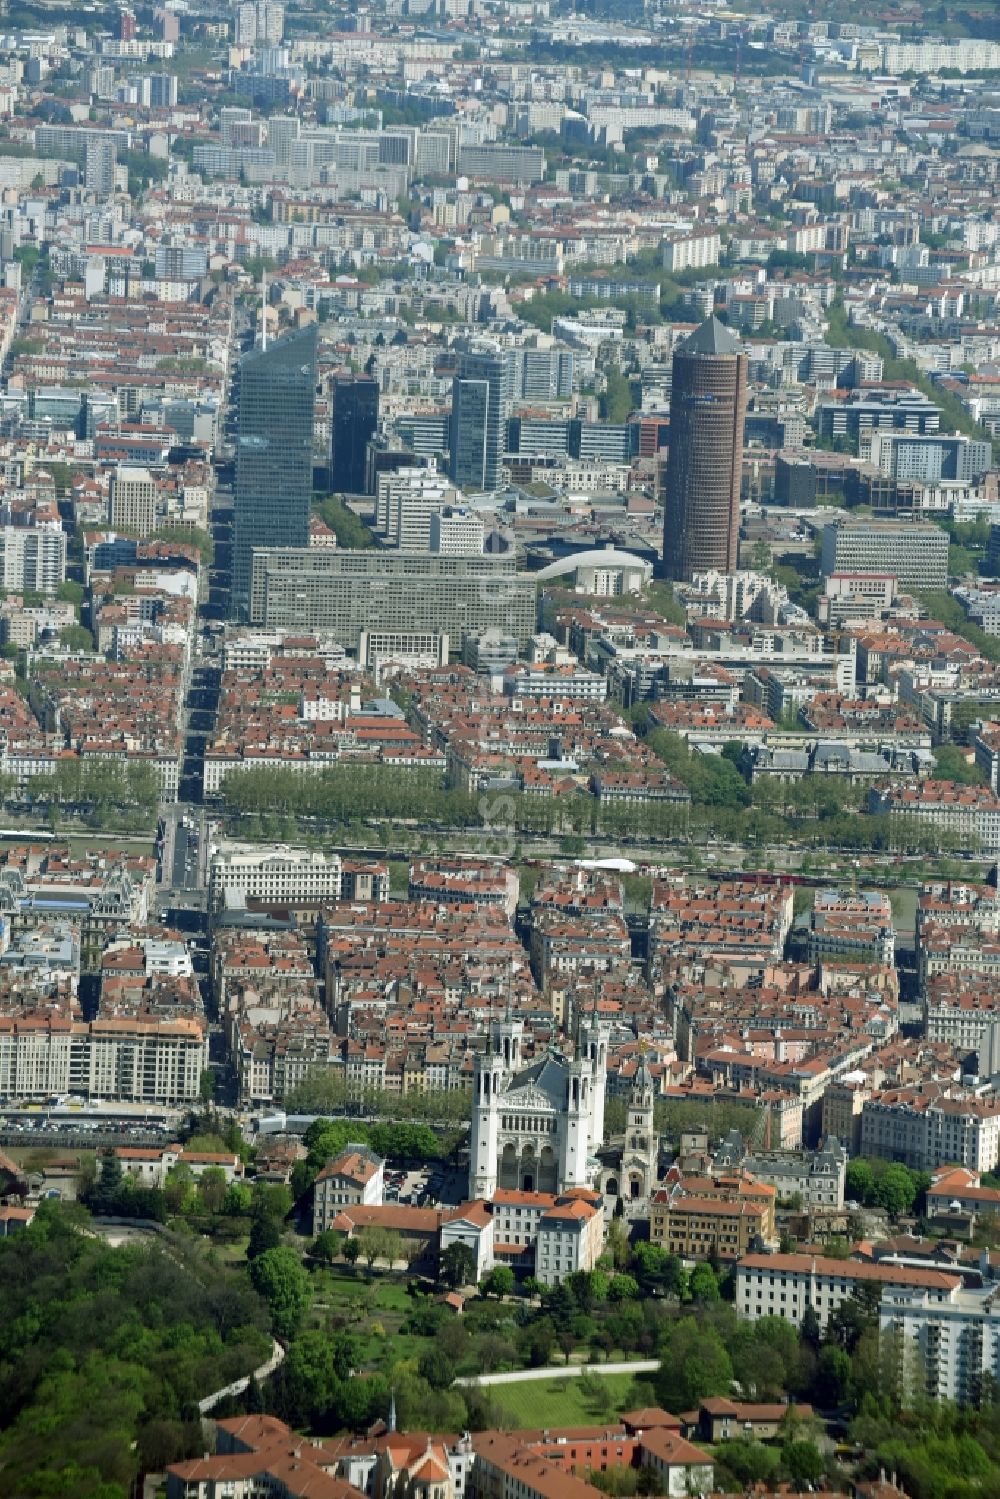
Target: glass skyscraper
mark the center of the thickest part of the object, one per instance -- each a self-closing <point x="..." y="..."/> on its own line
<point x="274" y="454"/>
<point x="480" y="406"/>
<point x="355" y="419"/>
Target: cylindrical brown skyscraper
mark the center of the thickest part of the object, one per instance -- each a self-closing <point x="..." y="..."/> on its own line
<point x="707" y="404"/>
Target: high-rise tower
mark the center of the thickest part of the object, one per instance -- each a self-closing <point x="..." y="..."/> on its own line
<point x="707" y="406"/>
<point x="480" y="406"/>
<point x="354" y="421"/>
<point x="273" y="454"/>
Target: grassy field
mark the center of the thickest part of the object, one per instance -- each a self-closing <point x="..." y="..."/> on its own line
<point x="392" y="1325"/>
<point x="561" y="1402"/>
<point x="374" y="1308"/>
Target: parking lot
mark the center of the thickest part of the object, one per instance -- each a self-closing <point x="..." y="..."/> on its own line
<point x="426" y="1187"/>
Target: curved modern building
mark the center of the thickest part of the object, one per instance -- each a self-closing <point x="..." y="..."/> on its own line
<point x="707" y="406"/>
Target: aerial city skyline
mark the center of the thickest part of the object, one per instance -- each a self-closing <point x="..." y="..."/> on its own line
<point x="499" y="750"/>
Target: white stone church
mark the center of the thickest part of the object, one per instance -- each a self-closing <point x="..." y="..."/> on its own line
<point x="540" y="1128"/>
<point x="537" y="1128"/>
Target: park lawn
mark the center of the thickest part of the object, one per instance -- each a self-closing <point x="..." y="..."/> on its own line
<point x="341" y="1290"/>
<point x="232" y="1251"/>
<point x="558" y="1402"/>
<point x="364" y="1302"/>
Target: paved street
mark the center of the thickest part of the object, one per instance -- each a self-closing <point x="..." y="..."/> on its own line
<point x="561" y="1371"/>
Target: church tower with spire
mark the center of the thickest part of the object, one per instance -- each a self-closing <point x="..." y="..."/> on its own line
<point x="641" y="1154"/>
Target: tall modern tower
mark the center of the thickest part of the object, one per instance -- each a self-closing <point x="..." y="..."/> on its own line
<point x="355" y="419"/>
<point x="273" y="454"/>
<point x="707" y="405"/>
<point x="480" y="406"/>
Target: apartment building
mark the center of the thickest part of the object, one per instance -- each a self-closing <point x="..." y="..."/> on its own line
<point x="785" y="1285"/>
<point x="843" y="1103"/>
<point x="943" y="1347"/>
<point x="132" y="501"/>
<point x="547" y="1234"/>
<point x="464" y="883"/>
<point x="70" y="142"/>
<point x="700" y="1219"/>
<point x="852" y="927"/>
<point x="964" y="55"/>
<point x="815" y="1177"/>
<point x="104" y="900"/>
<point x="930" y="1125"/>
<point x="960" y="1010"/>
<point x="33" y="556"/>
<point x="570" y="1237"/>
<point x="517" y="165"/>
<point x="686" y="252"/>
<point x="968" y="815"/>
<point x="551" y="680"/>
<point x="128" y="1059"/>
<point x="274" y="1054"/>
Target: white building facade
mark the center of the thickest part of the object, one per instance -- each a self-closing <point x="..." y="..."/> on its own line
<point x="536" y="1128"/>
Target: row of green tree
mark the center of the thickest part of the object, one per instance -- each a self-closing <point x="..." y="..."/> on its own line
<point x="324" y="1091"/>
<point x="353" y="793"/>
<point x="817" y="810"/>
<point x="105" y="792"/>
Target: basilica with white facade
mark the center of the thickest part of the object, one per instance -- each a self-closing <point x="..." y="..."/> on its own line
<point x="537" y="1128"/>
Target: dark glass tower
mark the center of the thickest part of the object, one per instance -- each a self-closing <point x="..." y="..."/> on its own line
<point x="708" y="397"/>
<point x="355" y="421"/>
<point x="480" y="406"/>
<point x="273" y="454"/>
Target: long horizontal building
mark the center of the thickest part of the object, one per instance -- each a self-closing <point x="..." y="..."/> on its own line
<point x="784" y="1285"/>
<point x="347" y="593"/>
<point x="915" y="553"/>
<point x="135" y="1060"/>
<point x="969" y="816"/>
<point x="273" y="874"/>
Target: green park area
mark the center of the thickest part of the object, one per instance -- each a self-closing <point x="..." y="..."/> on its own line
<point x="578" y="1401"/>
